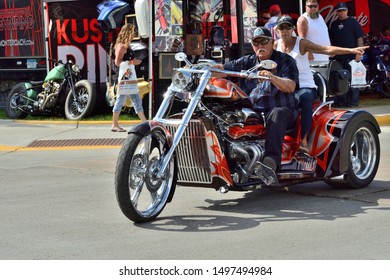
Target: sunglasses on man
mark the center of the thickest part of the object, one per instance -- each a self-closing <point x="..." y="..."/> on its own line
<point x="312" y="6"/>
<point x="341" y="10"/>
<point x="285" y="27"/>
<point x="262" y="42"/>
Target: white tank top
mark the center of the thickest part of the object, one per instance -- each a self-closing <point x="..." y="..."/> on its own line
<point x="318" y="34"/>
<point x="306" y="79"/>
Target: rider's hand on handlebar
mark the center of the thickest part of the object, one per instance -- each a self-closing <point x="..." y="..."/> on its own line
<point x="265" y="73"/>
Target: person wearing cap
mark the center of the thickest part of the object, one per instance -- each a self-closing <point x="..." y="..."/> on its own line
<point x="346" y="32"/>
<point x="275" y="13"/>
<point x="312" y="27"/>
<point x="273" y="96"/>
<point x="298" y="48"/>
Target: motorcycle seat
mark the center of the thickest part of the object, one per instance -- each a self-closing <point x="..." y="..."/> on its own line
<point x="36" y="83"/>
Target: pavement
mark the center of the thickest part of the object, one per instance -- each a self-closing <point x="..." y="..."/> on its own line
<point x="30" y="135"/>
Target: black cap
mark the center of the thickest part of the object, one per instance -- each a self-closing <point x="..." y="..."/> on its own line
<point x="261" y="32"/>
<point x="341" y="6"/>
<point x="285" y="20"/>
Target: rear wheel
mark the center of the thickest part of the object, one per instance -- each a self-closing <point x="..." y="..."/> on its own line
<point x="140" y="193"/>
<point x="82" y="104"/>
<point x="363" y="160"/>
<point x="16" y="102"/>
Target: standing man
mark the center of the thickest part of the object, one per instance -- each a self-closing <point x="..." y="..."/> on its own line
<point x="311" y="26"/>
<point x="346" y="32"/>
<point x="273" y="97"/>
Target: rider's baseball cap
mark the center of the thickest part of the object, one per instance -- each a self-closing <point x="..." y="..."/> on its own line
<point x="341" y="6"/>
<point x="285" y="20"/>
<point x="261" y="32"/>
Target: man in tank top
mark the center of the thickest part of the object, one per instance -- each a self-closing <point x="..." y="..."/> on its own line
<point x="311" y="26"/>
<point x="298" y="48"/>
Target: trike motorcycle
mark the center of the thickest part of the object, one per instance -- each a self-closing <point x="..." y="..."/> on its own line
<point x="62" y="91"/>
<point x="218" y="142"/>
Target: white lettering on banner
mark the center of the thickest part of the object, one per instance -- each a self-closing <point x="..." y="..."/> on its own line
<point x="87" y="60"/>
<point x="91" y="60"/>
<point x="102" y="63"/>
<point x="16" y="43"/>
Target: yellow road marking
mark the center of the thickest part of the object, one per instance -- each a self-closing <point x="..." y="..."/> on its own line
<point x="69" y="148"/>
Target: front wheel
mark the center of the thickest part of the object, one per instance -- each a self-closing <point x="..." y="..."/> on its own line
<point x="140" y="193"/>
<point x="81" y="104"/>
<point x="363" y="160"/>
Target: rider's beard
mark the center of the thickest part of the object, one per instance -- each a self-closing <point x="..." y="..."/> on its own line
<point x="314" y="15"/>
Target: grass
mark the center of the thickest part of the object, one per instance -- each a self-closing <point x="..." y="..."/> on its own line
<point x="96" y="117"/>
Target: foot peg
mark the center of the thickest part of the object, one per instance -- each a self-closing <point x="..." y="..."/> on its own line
<point x="266" y="174"/>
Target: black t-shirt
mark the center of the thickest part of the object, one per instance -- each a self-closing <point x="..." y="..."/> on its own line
<point x="344" y="33"/>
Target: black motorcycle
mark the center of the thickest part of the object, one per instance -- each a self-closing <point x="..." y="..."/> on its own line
<point x="373" y="59"/>
<point x="62" y="91"/>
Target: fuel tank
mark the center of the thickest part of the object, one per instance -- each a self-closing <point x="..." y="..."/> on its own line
<point x="226" y="92"/>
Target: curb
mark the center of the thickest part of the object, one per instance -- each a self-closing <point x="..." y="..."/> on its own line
<point x="382" y="119"/>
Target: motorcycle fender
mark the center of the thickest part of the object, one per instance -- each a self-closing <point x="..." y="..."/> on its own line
<point x="356" y="118"/>
<point x="144" y="129"/>
<point x="30" y="91"/>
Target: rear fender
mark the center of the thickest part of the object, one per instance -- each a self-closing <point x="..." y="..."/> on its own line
<point x="329" y="138"/>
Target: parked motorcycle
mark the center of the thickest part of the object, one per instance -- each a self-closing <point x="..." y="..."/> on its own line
<point x="62" y="90"/>
<point x="218" y="142"/>
<point x="377" y="71"/>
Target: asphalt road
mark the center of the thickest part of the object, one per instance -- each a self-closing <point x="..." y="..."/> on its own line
<point x="60" y="204"/>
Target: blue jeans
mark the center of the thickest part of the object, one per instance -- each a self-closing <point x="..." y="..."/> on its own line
<point x="305" y="98"/>
<point x="121" y="101"/>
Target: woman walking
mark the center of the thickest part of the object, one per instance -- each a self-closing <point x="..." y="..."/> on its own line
<point x="127" y="79"/>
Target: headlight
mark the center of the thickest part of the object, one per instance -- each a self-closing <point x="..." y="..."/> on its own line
<point x="181" y="79"/>
<point x="75" y="68"/>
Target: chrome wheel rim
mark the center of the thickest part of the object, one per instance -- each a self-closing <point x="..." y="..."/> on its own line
<point x="363" y="153"/>
<point x="148" y="199"/>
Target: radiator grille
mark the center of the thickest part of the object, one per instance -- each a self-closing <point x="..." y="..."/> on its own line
<point x="192" y="157"/>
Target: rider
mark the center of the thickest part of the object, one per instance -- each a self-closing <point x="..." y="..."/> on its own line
<point x="273" y="97"/>
<point x="299" y="49"/>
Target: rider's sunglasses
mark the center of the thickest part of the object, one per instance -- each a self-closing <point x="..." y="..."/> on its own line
<point x="285" y="27"/>
<point x="312" y="6"/>
<point x="262" y="42"/>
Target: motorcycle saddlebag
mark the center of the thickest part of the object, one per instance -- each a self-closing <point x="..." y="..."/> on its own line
<point x="339" y="81"/>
